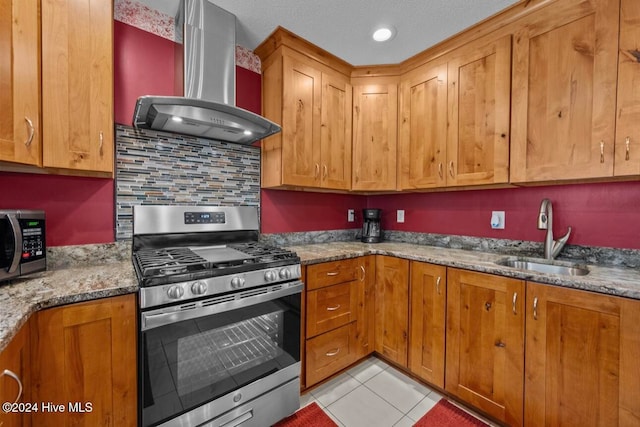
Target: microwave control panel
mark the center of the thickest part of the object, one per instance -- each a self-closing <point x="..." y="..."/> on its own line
<point x="33" y="243"/>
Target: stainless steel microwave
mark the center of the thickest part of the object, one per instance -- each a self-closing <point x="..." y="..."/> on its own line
<point x="22" y="243"/>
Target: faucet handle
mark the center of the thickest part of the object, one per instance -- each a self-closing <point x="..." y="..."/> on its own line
<point x="559" y="244"/>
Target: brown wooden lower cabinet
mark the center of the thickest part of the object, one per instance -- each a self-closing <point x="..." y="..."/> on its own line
<point x="392" y="308"/>
<point x="485" y="343"/>
<point x="15" y="359"/>
<point x="339" y="300"/>
<point x="428" y="298"/>
<point x="582" y="358"/>
<point x="83" y="354"/>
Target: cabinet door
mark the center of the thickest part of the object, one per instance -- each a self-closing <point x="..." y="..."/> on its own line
<point x="627" y="161"/>
<point x="77" y="85"/>
<point x="336" y="132"/>
<point x="375" y="112"/>
<point x="423" y="128"/>
<point x="564" y="100"/>
<point x="20" y="82"/>
<point x="392" y="308"/>
<point x="427" y="330"/>
<point x="485" y="343"/>
<point x="366" y="308"/>
<point x="478" y="115"/>
<point x="16" y="359"/>
<point x="301" y="123"/>
<point x="86" y="352"/>
<point x="582" y="358"/>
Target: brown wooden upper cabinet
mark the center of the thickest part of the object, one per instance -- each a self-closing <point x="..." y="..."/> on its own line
<point x="312" y="102"/>
<point x="20" y="82"/>
<point x="454" y="119"/>
<point x="627" y="149"/>
<point x="564" y="92"/>
<point x="375" y="119"/>
<point x="65" y="49"/>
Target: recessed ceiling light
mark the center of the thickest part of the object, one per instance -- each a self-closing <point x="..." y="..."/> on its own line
<point x="248" y="132"/>
<point x="383" y="34"/>
<point x="176" y="119"/>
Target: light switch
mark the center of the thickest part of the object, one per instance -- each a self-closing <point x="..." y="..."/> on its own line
<point x="351" y="215"/>
<point x="400" y="215"/>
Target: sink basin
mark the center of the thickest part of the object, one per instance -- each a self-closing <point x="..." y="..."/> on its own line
<point x="545" y="266"/>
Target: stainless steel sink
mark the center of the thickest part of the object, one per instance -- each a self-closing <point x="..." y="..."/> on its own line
<point x="544" y="266"/>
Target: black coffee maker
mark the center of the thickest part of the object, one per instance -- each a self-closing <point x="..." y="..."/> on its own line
<point x="371" y="231"/>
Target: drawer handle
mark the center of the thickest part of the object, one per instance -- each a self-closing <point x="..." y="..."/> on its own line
<point x="333" y="273"/>
<point x="333" y="352"/>
<point x="15" y="377"/>
<point x="438" y="284"/>
<point x="333" y="308"/>
<point x="513" y="306"/>
<point x="535" y="308"/>
<point x="364" y="274"/>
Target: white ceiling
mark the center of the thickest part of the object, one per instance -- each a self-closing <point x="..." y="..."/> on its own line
<point x="344" y="28"/>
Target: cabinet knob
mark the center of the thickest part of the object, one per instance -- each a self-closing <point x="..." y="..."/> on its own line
<point x="11" y="374"/>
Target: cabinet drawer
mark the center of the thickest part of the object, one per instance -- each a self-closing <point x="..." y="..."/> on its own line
<point x="328" y="353"/>
<point x="331" y="307"/>
<point x="331" y="273"/>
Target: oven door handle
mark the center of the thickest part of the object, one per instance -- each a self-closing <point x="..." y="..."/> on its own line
<point x="215" y="305"/>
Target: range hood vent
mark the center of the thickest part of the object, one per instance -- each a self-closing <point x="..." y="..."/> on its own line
<point x="208" y="108"/>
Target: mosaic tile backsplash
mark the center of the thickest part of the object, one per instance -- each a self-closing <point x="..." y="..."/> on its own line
<point x="163" y="168"/>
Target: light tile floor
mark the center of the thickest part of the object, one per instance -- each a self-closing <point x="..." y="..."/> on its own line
<point x="373" y="394"/>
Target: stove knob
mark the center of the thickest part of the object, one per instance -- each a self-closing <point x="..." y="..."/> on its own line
<point x="199" y="288"/>
<point x="285" y="273"/>
<point x="270" y="276"/>
<point x="175" y="292"/>
<point x="237" y="282"/>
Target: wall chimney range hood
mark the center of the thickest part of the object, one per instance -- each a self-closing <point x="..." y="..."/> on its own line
<point x="207" y="109"/>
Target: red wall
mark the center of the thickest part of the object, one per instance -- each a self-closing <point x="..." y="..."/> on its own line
<point x="606" y="214"/>
<point x="79" y="210"/>
<point x="287" y="211"/>
<point x="143" y="65"/>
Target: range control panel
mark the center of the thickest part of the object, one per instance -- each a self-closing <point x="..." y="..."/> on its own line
<point x="204" y="218"/>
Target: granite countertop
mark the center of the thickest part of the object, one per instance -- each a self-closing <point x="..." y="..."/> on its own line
<point x="623" y="282"/>
<point x="25" y="296"/>
<point x="72" y="277"/>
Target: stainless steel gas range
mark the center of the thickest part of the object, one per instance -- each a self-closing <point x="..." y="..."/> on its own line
<point x="219" y="336"/>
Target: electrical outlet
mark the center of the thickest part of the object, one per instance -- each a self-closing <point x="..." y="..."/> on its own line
<point x="351" y="215"/>
<point x="497" y="220"/>
<point x="400" y="215"/>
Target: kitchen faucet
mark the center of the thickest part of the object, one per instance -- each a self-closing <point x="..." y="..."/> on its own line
<point x="545" y="222"/>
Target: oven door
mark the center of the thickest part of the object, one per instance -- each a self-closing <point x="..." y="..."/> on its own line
<point x="205" y="360"/>
<point x="10" y="245"/>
